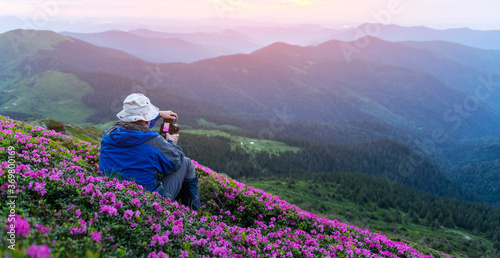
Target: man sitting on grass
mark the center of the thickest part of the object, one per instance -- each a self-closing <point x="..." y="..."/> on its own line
<point x="131" y="151"/>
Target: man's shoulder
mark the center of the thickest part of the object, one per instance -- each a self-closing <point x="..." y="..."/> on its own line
<point x="157" y="141"/>
<point x="112" y="128"/>
<point x="163" y="145"/>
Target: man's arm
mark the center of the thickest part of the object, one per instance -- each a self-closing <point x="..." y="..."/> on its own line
<point x="172" y="138"/>
<point x="163" y="114"/>
<point x="172" y="155"/>
<point x="169" y="115"/>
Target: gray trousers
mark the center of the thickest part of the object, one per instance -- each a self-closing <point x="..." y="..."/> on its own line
<point x="172" y="182"/>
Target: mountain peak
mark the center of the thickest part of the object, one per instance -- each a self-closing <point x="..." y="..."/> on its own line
<point x="29" y="41"/>
<point x="278" y="47"/>
<point x="141" y="30"/>
<point x="231" y="32"/>
<point x="373" y="39"/>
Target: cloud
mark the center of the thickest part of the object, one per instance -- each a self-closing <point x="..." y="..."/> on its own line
<point x="480" y="13"/>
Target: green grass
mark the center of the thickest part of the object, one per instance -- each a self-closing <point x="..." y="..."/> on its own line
<point x="83" y="132"/>
<point x="315" y="198"/>
<point x="105" y="126"/>
<point x="203" y="122"/>
<point x="8" y="78"/>
<point x="86" y="133"/>
<point x="52" y="95"/>
<point x="249" y="144"/>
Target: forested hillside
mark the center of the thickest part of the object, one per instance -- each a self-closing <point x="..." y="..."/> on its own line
<point x="385" y="158"/>
<point x="445" y="224"/>
<point x="368" y="198"/>
<point x="312" y="82"/>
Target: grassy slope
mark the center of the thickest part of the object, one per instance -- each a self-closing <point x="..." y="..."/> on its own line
<point x="105" y="126"/>
<point x="75" y="205"/>
<point x="444" y="239"/>
<point x="53" y="94"/>
<point x="251" y="145"/>
<point x="368" y="216"/>
<point x="204" y="122"/>
<point x="18" y="45"/>
<point x="21" y="43"/>
<point x="85" y="133"/>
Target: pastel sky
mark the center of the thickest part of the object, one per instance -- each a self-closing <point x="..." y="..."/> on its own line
<point x="475" y="14"/>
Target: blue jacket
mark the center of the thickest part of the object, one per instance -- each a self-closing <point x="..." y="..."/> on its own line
<point x="136" y="153"/>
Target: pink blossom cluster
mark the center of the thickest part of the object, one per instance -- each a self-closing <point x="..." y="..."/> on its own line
<point x="20" y="225"/>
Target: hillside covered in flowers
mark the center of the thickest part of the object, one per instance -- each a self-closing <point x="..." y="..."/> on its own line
<point x="56" y="203"/>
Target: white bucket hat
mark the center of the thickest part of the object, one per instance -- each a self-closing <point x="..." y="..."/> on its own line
<point x="137" y="107"/>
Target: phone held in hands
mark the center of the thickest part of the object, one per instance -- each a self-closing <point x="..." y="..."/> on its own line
<point x="168" y="126"/>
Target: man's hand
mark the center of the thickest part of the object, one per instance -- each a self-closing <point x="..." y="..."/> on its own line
<point x="169" y="115"/>
<point x="173" y="137"/>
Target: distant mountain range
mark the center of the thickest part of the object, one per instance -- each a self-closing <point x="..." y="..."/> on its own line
<point x="165" y="47"/>
<point x="307" y="35"/>
<point x="408" y="85"/>
<point x="228" y="39"/>
<point x="474" y="38"/>
<point x="170" y="47"/>
<point x="423" y="88"/>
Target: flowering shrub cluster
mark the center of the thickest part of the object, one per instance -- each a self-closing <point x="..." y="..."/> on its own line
<point x="66" y="208"/>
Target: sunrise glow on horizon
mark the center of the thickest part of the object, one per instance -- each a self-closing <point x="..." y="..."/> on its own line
<point x="480" y="14"/>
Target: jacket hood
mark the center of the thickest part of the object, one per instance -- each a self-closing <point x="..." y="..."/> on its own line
<point x="126" y="137"/>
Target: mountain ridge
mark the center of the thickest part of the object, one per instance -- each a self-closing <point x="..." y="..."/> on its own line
<point x="305" y="78"/>
<point x="475" y="38"/>
<point x="158" y="50"/>
<point x="290" y="84"/>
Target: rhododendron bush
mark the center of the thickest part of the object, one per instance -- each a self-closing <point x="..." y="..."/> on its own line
<point x="65" y="207"/>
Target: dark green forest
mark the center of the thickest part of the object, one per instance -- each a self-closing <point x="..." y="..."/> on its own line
<point x="383" y="157"/>
<point x="375" y="174"/>
<point x="383" y="205"/>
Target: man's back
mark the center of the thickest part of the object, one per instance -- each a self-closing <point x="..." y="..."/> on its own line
<point x="135" y="153"/>
<point x="131" y="151"/>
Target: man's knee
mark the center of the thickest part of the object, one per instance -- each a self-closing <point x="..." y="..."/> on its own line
<point x="190" y="173"/>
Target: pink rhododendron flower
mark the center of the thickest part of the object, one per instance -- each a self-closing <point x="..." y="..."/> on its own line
<point x="136" y="202"/>
<point x="118" y="204"/>
<point x="108" y="209"/>
<point x="21" y="226"/>
<point x="159" y="255"/>
<point x="156" y="227"/>
<point x="184" y="254"/>
<point x="40" y="187"/>
<point x="36" y="251"/>
<point x="128" y="214"/>
<point x="177" y="229"/>
<point x="220" y="251"/>
<point x="79" y="230"/>
<point x="43" y="229"/>
<point x="96" y="236"/>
